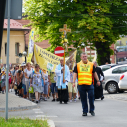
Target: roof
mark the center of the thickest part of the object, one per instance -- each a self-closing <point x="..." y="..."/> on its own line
<point x="14" y="25"/>
<point x="44" y="44"/>
<point x="121" y="54"/>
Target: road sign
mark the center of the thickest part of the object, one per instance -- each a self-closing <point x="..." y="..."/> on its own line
<point x="15" y="9"/>
<point x="59" y="51"/>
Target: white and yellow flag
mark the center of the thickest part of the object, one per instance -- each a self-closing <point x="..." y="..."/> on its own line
<point x="48" y="60"/>
<point x="30" y="46"/>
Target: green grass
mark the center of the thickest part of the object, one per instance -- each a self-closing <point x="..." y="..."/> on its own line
<point x="19" y="122"/>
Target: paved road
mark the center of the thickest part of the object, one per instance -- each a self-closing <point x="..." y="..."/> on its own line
<point x="109" y="112"/>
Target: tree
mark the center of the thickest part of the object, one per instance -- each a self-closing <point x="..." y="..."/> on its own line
<point x="95" y="21"/>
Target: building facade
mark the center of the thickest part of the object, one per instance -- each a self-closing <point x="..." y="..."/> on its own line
<point x="17" y="42"/>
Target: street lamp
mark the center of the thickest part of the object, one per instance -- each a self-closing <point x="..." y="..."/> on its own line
<point x="23" y="54"/>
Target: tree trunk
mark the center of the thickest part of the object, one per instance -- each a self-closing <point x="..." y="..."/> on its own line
<point x="103" y="52"/>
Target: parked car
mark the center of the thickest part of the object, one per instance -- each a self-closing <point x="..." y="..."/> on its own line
<point x="112" y="77"/>
<point x="123" y="82"/>
<point x="107" y="66"/>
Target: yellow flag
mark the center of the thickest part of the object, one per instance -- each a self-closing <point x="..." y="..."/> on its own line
<point x="30" y="46"/>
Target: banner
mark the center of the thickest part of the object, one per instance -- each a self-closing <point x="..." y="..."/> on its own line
<point x="48" y="60"/>
<point x="71" y="62"/>
<point x="30" y="46"/>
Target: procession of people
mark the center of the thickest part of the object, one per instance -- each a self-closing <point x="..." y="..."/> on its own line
<point x="34" y="83"/>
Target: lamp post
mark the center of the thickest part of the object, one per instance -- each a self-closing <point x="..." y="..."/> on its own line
<point x="24" y="54"/>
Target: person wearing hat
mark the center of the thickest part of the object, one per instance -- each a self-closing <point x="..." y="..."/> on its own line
<point x="3" y="79"/>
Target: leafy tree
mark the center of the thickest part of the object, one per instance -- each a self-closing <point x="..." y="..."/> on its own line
<point x="97" y="21"/>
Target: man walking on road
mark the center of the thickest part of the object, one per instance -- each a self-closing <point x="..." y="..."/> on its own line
<point x="85" y="70"/>
<point x="62" y="84"/>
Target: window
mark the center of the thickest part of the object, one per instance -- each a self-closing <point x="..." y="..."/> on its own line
<point x="106" y="67"/>
<point x="115" y="71"/>
<point x="5" y="49"/>
<point x="122" y="69"/>
<point x="16" y="49"/>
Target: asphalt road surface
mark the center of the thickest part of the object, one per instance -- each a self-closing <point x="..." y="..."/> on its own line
<point x="108" y="113"/>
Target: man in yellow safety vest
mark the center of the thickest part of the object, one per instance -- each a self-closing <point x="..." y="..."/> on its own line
<point x="85" y="71"/>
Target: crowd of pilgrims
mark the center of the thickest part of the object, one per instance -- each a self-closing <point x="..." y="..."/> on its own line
<point x="31" y="82"/>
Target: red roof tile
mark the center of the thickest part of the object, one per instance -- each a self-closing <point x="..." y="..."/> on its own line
<point x="14" y="25"/>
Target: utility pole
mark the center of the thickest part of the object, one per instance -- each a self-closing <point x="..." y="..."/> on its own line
<point x="2" y="13"/>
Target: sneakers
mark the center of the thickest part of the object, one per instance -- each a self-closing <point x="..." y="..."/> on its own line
<point x="75" y="100"/>
<point x="92" y="113"/>
<point x="53" y="100"/>
<point x="102" y="98"/>
<point x="45" y="99"/>
<point x="36" y="101"/>
<point x="70" y="101"/>
<point x="79" y="98"/>
<point x="84" y="114"/>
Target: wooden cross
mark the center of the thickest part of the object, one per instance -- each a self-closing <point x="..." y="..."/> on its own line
<point x="64" y="29"/>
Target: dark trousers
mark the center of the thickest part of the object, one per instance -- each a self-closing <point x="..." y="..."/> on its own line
<point x="63" y="94"/>
<point x="0" y="88"/>
<point x="83" y="90"/>
<point x="98" y="91"/>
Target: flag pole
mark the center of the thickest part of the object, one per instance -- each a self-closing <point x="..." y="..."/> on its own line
<point x="64" y="65"/>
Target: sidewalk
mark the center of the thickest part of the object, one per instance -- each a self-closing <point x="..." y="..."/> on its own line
<point x="118" y="96"/>
<point x="15" y="102"/>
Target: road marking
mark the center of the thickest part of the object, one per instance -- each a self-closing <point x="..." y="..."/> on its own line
<point x="36" y="109"/>
<point x="45" y="116"/>
<point x="39" y="112"/>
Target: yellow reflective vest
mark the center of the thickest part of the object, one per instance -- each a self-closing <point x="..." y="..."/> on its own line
<point x="85" y="73"/>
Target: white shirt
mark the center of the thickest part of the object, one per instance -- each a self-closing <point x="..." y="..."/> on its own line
<point x="28" y="73"/>
<point x="58" y="73"/>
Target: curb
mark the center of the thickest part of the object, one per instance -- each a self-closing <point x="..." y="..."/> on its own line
<point x="51" y="123"/>
<point x="19" y="108"/>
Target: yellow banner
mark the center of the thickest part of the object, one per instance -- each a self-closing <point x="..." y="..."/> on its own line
<point x="49" y="61"/>
<point x="30" y="46"/>
<point x="46" y="59"/>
